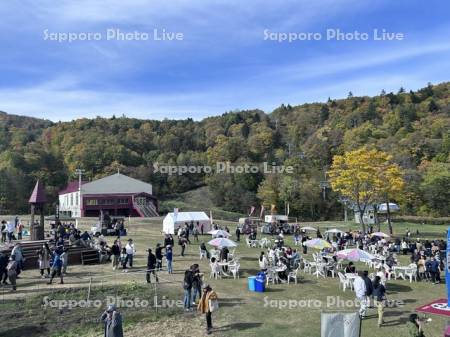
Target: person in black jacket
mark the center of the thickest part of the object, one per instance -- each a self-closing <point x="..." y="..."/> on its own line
<point x="379" y="294"/>
<point x="238" y="234"/>
<point x="187" y="286"/>
<point x="115" y="252"/>
<point x="196" y="283"/>
<point x="159" y="256"/>
<point x="151" y="266"/>
<point x="304" y="239"/>
<point x="3" y="264"/>
<point x="369" y="288"/>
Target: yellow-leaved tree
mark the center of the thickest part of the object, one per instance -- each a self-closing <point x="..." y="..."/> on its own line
<point x="365" y="176"/>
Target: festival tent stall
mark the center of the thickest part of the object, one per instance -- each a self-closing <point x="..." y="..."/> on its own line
<point x="382" y="208"/>
<point x="172" y="222"/>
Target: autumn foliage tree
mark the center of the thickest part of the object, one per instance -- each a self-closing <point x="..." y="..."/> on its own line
<point x="365" y="177"/>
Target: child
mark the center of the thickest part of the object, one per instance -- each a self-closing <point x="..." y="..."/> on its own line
<point x="57" y="267"/>
<point x="65" y="261"/>
<point x="123" y="259"/>
<point x="12" y="272"/>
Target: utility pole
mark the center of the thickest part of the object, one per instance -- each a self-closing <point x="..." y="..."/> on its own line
<point x="79" y="172"/>
<point x="324" y="184"/>
<point x="344" y="201"/>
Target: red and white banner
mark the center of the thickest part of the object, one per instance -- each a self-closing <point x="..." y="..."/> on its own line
<point x="437" y="307"/>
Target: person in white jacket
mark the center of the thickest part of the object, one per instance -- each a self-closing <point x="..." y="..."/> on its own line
<point x="360" y="290"/>
<point x="263" y="263"/>
<point x="131" y="250"/>
<point x="10" y="230"/>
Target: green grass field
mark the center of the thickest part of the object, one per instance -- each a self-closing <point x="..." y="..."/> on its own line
<point x="242" y="313"/>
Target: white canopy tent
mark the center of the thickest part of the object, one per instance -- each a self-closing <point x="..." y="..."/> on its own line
<point x="382" y="208"/>
<point x="171" y="222"/>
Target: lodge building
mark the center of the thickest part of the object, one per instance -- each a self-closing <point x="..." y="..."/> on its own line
<point x="116" y="195"/>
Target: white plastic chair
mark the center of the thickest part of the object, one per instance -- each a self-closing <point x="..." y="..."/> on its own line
<point x="216" y="272"/>
<point x="344" y="282"/>
<point x="411" y="273"/>
<point x="388" y="272"/>
<point x="271" y="276"/>
<point x="293" y="275"/>
<point x="307" y="267"/>
<point x="234" y="270"/>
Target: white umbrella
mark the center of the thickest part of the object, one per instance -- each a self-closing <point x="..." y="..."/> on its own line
<point x="354" y="254"/>
<point x="317" y="244"/>
<point x="381" y="235"/>
<point x="219" y="233"/>
<point x="382" y="208"/>
<point x="222" y="242"/>
<point x="334" y="231"/>
<point x="308" y="228"/>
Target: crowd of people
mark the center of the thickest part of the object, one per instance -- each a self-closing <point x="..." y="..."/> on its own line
<point x="370" y="290"/>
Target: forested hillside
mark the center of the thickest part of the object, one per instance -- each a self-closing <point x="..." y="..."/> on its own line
<point x="414" y="127"/>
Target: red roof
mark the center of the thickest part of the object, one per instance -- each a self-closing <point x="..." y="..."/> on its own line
<point x="71" y="187"/>
<point x="38" y="195"/>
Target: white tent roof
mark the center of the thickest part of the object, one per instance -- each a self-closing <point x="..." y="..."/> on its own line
<point x="169" y="221"/>
<point x="382" y="208"/>
<point x="188" y="217"/>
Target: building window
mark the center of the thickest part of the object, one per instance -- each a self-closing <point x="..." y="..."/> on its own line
<point x="106" y="202"/>
<point x="76" y="199"/>
<point x="122" y="201"/>
<point x="71" y="199"/>
<point x="91" y="202"/>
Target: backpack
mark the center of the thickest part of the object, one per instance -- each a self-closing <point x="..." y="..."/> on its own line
<point x="213" y="305"/>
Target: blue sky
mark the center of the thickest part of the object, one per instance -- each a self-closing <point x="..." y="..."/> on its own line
<point x="222" y="63"/>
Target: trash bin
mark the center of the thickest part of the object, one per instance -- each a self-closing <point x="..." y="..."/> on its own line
<point x="260" y="283"/>
<point x="252" y="283"/>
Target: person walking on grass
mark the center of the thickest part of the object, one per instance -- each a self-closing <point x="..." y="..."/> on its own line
<point x="187" y="286"/>
<point x="183" y="243"/>
<point x="369" y="288"/>
<point x="19" y="229"/>
<point x="131" y="250"/>
<point x="360" y="290"/>
<point x="115" y="252"/>
<point x="151" y="266"/>
<point x="3" y="265"/>
<point x="10" y="231"/>
<point x="112" y="320"/>
<point x="123" y="259"/>
<point x="379" y="294"/>
<point x="207" y="305"/>
<point x="57" y="267"/>
<point x="169" y="258"/>
<point x="65" y="260"/>
<point x="3" y="230"/>
<point x="159" y="256"/>
<point x="196" y="283"/>
<point x="44" y="254"/>
<point x="12" y="272"/>
<point x="18" y="255"/>
<point x="195" y="232"/>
